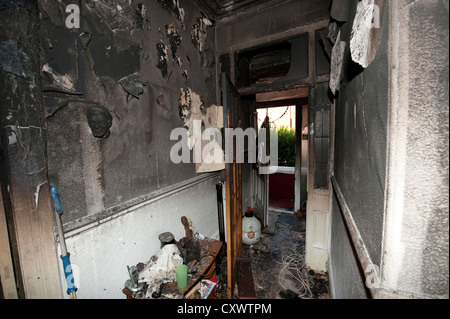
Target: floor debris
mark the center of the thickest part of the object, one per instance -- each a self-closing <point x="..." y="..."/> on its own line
<point x="273" y="279"/>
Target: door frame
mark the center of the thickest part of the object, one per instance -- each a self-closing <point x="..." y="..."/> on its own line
<point x="233" y="186"/>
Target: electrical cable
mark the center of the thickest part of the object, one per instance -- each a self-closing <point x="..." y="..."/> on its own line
<point x="294" y="264"/>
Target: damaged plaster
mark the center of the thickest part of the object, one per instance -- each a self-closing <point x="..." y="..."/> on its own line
<point x="163" y="64"/>
<point x="133" y="84"/>
<point x="173" y="7"/>
<point x="365" y="36"/>
<point x="116" y="14"/>
<point x="337" y="64"/>
<point x="190" y="108"/>
<point x="193" y="112"/>
<point x="174" y="39"/>
<point x="199" y="33"/>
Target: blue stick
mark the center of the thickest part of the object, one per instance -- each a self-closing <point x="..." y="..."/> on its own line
<point x="65" y="256"/>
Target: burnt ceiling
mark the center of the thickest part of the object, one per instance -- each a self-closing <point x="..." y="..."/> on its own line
<point x="218" y="9"/>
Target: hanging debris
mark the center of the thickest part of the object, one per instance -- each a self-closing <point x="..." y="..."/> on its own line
<point x="174" y="40"/>
<point x="133" y="84"/>
<point x="184" y="104"/>
<point x="85" y="38"/>
<point x="337" y="64"/>
<point x="366" y="31"/>
<point x="142" y="21"/>
<point x="116" y="15"/>
<point x="61" y="83"/>
<point x="199" y="33"/>
<point x="14" y="60"/>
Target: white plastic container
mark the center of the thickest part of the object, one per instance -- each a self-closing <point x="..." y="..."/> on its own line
<point x="251" y="228"/>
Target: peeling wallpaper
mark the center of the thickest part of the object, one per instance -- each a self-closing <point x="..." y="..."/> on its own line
<point x="132" y="57"/>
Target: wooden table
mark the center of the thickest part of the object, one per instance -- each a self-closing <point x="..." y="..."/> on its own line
<point x="206" y="267"/>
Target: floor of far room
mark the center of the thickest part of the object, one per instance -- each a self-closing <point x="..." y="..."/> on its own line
<point x="277" y="262"/>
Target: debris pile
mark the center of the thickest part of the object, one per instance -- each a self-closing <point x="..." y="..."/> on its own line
<point x="157" y="277"/>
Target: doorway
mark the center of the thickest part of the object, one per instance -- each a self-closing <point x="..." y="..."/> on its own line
<point x="288" y="178"/>
<point x="289" y="72"/>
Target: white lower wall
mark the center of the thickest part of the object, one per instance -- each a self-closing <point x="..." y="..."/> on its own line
<point x="100" y="254"/>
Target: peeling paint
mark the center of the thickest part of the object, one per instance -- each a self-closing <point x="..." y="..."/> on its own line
<point x="114" y="14"/>
<point x="185" y="74"/>
<point x="161" y="49"/>
<point x="189" y="104"/>
<point x="337" y="64"/>
<point x="332" y="32"/>
<point x="175" y="41"/>
<point x="36" y="195"/>
<point x="142" y="21"/>
<point x="365" y="35"/>
<point x="185" y="104"/>
<point x="12" y="139"/>
<point x="199" y="33"/>
<point x="173" y="7"/>
<point x="124" y="6"/>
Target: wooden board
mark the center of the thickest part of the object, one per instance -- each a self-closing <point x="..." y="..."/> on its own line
<point x="233" y="173"/>
<point x="7" y="277"/>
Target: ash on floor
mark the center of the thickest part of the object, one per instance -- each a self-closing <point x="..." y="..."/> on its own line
<point x="278" y="262"/>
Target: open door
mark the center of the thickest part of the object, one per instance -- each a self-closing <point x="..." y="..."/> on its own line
<point x="233" y="183"/>
<point x="261" y="181"/>
<point x="319" y="185"/>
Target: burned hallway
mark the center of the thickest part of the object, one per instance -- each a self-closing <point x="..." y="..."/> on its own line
<point x="114" y="117"/>
<point x="278" y="262"/>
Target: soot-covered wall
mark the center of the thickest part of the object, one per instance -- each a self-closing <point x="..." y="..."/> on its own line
<point x="360" y="158"/>
<point x="133" y="57"/>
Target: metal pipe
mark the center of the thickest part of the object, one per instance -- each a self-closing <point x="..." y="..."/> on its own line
<point x="371" y="278"/>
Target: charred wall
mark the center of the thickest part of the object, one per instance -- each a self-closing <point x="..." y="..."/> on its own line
<point x="360" y="158"/>
<point x="22" y="154"/>
<point x="134" y="58"/>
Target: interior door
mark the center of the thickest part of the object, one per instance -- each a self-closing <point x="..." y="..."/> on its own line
<point x="319" y="185"/>
<point x="233" y="183"/>
<point x="260" y="177"/>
